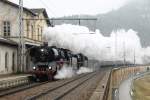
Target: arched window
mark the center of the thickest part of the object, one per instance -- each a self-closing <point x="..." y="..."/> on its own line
<point x="0" y="58"/>
<point x="6" y="61"/>
<point x="13" y="62"/>
<point x="38" y="34"/>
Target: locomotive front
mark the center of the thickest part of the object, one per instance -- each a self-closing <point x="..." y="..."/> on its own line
<point x="43" y="58"/>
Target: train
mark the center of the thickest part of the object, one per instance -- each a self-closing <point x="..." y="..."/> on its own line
<point x="48" y="60"/>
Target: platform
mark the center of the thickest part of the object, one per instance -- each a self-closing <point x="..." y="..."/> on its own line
<point x="100" y="92"/>
<point x="12" y="80"/>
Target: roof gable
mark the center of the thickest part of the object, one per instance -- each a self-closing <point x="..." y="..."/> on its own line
<point x="42" y="10"/>
<point x="34" y="12"/>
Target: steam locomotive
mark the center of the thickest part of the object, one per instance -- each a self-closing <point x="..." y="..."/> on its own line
<point x="47" y="60"/>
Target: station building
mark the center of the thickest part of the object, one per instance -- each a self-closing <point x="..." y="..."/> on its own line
<point x="34" y="22"/>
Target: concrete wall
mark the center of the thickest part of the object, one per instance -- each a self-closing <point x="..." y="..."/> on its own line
<point x="120" y="74"/>
<point x="10" y="50"/>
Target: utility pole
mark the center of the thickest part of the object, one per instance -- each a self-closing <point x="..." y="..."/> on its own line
<point x="134" y="57"/>
<point x="115" y="49"/>
<point x="124" y="53"/>
<point x="21" y="37"/>
<point x="79" y="22"/>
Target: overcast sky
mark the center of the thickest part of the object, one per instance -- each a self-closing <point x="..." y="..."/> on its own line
<point x="58" y="8"/>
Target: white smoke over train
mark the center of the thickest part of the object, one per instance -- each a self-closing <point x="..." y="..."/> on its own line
<point x="119" y="45"/>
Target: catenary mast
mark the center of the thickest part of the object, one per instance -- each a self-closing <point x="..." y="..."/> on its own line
<point x="21" y="37"/>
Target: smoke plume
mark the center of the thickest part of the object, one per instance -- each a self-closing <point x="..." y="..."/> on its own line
<point x="120" y="45"/>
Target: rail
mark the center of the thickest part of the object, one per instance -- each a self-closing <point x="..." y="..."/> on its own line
<point x="57" y="87"/>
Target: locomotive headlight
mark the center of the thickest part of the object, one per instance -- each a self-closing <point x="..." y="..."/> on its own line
<point x="34" y="68"/>
<point x="50" y="67"/>
<point x="42" y="50"/>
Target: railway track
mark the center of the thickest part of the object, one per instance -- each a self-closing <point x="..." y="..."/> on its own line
<point x="54" y="90"/>
<point x="10" y="93"/>
<point x="19" y="88"/>
<point x="61" y="86"/>
<point x="63" y="90"/>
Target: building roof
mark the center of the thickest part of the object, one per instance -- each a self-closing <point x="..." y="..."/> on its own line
<point x="32" y="11"/>
<point x="17" y="6"/>
<point x="38" y="11"/>
<point x="42" y="10"/>
<point x="8" y="42"/>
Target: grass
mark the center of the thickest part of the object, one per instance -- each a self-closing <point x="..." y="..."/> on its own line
<point x="141" y="88"/>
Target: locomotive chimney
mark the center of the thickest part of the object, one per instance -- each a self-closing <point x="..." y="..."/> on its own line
<point x="45" y="44"/>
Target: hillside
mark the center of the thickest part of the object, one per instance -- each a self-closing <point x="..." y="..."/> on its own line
<point x="134" y="15"/>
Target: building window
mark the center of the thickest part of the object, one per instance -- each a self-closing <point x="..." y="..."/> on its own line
<point x="28" y="24"/>
<point x="0" y="59"/>
<point x="6" y="61"/>
<point x="41" y="33"/>
<point x="38" y="34"/>
<point x="13" y="62"/>
<point x="32" y="30"/>
<point x="6" y="28"/>
<point x="41" y="30"/>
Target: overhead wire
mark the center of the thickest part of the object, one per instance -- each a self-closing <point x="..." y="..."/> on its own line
<point x="44" y="4"/>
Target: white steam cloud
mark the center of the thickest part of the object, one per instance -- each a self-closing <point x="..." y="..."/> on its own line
<point x="65" y="72"/>
<point x="84" y="70"/>
<point x="68" y="72"/>
<point x="119" y="45"/>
